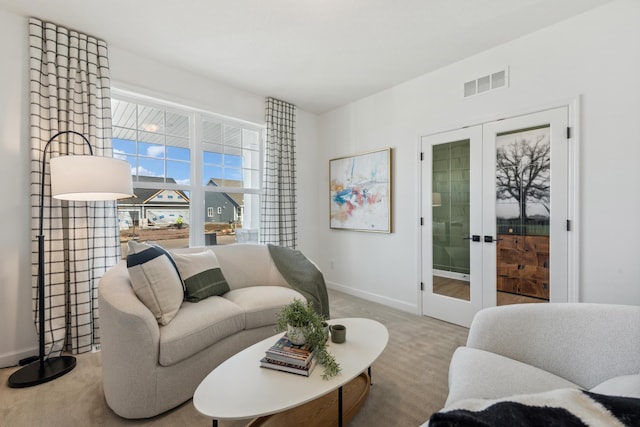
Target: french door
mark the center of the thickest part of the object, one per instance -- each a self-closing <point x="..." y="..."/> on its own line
<point x="494" y="209"/>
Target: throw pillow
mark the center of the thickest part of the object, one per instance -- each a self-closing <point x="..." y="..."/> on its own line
<point x="201" y="275"/>
<point x="155" y="280"/>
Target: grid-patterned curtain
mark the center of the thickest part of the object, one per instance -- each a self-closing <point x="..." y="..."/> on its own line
<point x="278" y="204"/>
<point x="69" y="88"/>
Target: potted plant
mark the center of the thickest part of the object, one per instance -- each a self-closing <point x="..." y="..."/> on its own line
<point x="304" y="325"/>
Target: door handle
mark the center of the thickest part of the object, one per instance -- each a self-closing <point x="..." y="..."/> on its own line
<point x="491" y="239"/>
<point x="475" y="238"/>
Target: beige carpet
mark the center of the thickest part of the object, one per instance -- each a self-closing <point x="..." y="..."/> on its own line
<point x="409" y="380"/>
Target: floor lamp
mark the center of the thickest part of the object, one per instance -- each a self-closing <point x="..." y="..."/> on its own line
<point x="78" y="178"/>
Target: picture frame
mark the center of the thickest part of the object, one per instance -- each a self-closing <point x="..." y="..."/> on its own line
<point x="360" y="192"/>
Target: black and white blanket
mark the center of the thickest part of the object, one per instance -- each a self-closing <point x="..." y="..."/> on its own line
<point x="562" y="407"/>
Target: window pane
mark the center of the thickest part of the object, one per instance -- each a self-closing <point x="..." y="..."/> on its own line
<point x="178" y="153"/>
<point x="179" y="172"/>
<point x="212" y="158"/>
<point x="232" y="161"/>
<point x="232" y="151"/>
<point x="250" y="159"/>
<point x="150" y="167"/>
<point x="251" y="178"/>
<point x="123" y="146"/>
<point x="151" y="150"/>
<point x="234" y="174"/>
<point x="232" y="136"/>
<point x="211" y="172"/>
<point x="230" y="218"/>
<point x="152" y="138"/>
<point x="150" y="119"/>
<point x="123" y="114"/>
<point x="250" y="139"/>
<point x="123" y="133"/>
<point x="175" y="141"/>
<point x="177" y="124"/>
<point x="211" y="131"/>
<point x="157" y="215"/>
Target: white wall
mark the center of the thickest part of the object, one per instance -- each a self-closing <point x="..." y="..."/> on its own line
<point x="129" y="72"/>
<point x="595" y="55"/>
<point x="149" y="77"/>
<point x="309" y="172"/>
<point x="17" y="332"/>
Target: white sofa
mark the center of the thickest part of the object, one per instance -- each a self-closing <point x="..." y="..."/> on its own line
<point x="149" y="368"/>
<point x="535" y="348"/>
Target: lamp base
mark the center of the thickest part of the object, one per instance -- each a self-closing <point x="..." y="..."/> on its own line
<point x="34" y="374"/>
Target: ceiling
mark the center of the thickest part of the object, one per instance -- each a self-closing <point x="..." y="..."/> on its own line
<point x="317" y="54"/>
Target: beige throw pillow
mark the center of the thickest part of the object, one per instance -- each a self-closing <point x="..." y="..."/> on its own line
<point x="155" y="280"/>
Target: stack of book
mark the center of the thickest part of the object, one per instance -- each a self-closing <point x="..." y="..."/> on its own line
<point x="288" y="357"/>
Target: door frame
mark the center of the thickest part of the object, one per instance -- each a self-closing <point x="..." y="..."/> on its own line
<point x="573" y="190"/>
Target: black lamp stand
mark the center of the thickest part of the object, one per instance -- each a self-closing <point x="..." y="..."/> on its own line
<point x="44" y="369"/>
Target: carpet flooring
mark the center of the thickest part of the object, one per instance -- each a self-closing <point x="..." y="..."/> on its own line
<point x="409" y="380"/>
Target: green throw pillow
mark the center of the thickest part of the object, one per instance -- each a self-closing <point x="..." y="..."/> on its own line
<point x="201" y="275"/>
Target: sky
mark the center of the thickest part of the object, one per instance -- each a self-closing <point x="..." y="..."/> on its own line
<point x="150" y="160"/>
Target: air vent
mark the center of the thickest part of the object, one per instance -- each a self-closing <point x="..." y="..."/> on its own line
<point x="487" y="83"/>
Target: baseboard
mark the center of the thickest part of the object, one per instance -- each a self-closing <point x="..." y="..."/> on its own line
<point x="12" y="359"/>
<point x="369" y="296"/>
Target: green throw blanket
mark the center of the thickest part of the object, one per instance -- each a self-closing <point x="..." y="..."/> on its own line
<point x="303" y="276"/>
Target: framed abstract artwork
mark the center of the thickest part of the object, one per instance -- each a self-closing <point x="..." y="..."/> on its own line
<point x="360" y="192"/>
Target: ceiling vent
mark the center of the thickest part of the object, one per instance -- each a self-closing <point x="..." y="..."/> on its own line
<point x="484" y="84"/>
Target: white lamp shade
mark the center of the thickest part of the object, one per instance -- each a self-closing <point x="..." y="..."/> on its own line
<point x="90" y="178"/>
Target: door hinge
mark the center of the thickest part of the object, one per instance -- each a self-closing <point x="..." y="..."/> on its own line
<point x="421" y="156"/>
<point x="568" y="133"/>
<point x="421" y="221"/>
<point x="568" y="225"/>
<point x="422" y="286"/>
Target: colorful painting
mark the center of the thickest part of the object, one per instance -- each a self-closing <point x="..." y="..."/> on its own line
<point x="360" y="192"/>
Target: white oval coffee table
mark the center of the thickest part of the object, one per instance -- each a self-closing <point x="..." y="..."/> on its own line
<point x="239" y="388"/>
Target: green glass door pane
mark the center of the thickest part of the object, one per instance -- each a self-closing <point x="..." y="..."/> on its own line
<point x="450" y="213"/>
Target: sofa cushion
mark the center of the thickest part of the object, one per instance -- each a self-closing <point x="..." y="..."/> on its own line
<point x="625" y="385"/>
<point x="234" y="260"/>
<point x="198" y="326"/>
<point x="155" y="280"/>
<point x="261" y="304"/>
<point x="201" y="275"/>
<point x="477" y="373"/>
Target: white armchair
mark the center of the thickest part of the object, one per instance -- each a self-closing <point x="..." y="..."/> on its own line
<point x="533" y="348"/>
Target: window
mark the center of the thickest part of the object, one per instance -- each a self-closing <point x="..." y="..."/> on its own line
<point x="186" y="164"/>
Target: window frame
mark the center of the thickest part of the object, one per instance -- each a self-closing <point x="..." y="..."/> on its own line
<point x="196" y="188"/>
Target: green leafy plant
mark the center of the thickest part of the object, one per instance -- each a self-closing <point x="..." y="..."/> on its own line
<point x="312" y="325"/>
